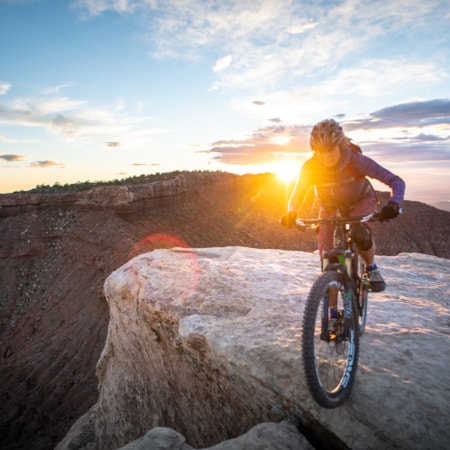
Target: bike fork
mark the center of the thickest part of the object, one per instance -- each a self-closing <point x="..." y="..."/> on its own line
<point x="347" y="312"/>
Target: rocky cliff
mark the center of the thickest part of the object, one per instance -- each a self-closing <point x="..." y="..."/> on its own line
<point x="208" y="341"/>
<point x="56" y="250"/>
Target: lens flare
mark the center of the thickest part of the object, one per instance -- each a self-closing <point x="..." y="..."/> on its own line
<point x="155" y="241"/>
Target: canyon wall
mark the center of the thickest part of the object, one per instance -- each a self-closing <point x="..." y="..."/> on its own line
<point x="56" y="250"/>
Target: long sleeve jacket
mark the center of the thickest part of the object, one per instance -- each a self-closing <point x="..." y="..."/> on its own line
<point x="343" y="186"/>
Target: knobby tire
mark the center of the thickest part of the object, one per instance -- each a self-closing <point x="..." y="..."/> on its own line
<point x="329" y="365"/>
<point x="362" y="290"/>
<point x="363" y="298"/>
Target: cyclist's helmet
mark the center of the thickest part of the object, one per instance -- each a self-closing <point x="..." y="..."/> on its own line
<point x="326" y="134"/>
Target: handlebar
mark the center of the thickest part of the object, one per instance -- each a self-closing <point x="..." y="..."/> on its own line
<point x="311" y="224"/>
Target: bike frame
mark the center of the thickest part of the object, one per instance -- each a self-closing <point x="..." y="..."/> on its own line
<point x="330" y="359"/>
<point x="344" y="257"/>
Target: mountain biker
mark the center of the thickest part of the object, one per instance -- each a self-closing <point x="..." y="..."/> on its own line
<point x="338" y="174"/>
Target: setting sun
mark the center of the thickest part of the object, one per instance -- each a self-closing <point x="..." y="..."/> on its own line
<point x="286" y="171"/>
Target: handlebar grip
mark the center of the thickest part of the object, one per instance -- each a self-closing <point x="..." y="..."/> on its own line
<point x="300" y="225"/>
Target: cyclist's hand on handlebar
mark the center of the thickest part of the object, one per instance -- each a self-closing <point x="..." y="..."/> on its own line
<point x="390" y="211"/>
<point x="288" y="220"/>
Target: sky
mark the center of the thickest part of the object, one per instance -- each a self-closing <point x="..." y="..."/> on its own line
<point x="96" y="90"/>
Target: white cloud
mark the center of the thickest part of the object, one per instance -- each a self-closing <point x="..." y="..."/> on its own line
<point x="74" y="120"/>
<point x="299" y="29"/>
<point x="4" y="88"/>
<point x="304" y="59"/>
<point x="381" y="77"/>
<point x="304" y="39"/>
<point x="55" y="89"/>
<point x="56" y="105"/>
<point x="185" y="28"/>
<point x="96" y="7"/>
<point x="222" y="63"/>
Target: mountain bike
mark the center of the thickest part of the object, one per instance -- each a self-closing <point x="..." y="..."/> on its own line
<point x="330" y="360"/>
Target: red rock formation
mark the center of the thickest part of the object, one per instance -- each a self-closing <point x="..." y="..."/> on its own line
<point x="56" y="250"/>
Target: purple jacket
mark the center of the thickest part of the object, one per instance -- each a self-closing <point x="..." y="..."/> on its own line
<point x="346" y="184"/>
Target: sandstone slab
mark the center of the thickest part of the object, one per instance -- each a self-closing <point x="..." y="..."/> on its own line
<point x="207" y="342"/>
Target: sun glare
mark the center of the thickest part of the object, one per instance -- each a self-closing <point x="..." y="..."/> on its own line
<point x="285" y="171"/>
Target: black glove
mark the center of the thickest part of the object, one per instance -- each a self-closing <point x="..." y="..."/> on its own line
<point x="288" y="220"/>
<point x="390" y="211"/>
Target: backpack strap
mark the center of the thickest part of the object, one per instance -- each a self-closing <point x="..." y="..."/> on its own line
<point x="354" y="147"/>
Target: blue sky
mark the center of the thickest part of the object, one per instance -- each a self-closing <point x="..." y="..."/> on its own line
<point x="106" y="89"/>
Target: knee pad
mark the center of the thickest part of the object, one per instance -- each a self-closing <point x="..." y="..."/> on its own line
<point x="361" y="236"/>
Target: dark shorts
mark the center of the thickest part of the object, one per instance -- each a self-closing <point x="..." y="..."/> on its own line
<point x="365" y="206"/>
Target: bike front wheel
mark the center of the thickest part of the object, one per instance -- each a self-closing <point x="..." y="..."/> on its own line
<point x="362" y="292"/>
<point x="363" y="298"/>
<point x="330" y="359"/>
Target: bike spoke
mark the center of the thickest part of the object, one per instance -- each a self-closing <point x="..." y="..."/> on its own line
<point x="329" y="357"/>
